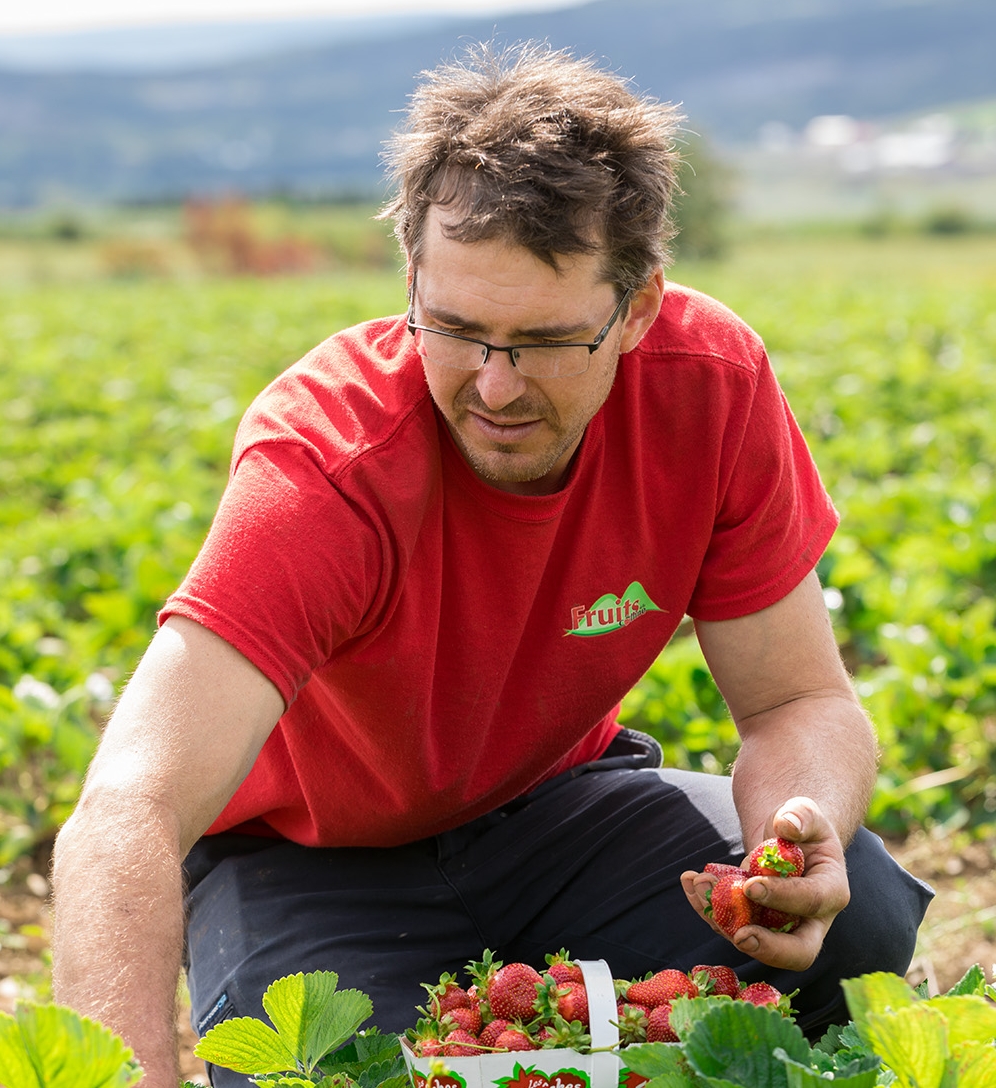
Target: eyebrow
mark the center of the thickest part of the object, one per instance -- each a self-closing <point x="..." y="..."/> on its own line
<point x="562" y="331"/>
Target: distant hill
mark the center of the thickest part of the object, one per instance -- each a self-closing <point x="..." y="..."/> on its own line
<point x="312" y="121"/>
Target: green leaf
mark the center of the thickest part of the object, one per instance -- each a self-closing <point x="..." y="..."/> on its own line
<point x="288" y="1080"/>
<point x="972" y="982"/>
<point x="663" y="1063"/>
<point x="17" y="1070"/>
<point x="50" y="1046"/>
<point x="839" y="1037"/>
<point x="734" y="1045"/>
<point x="679" y="1078"/>
<point x="912" y="1042"/>
<point x="875" y="993"/>
<point x="245" y="1045"/>
<point x="976" y="1065"/>
<point x="805" y="1076"/>
<point x="311" y="1016"/>
<point x="971" y="1019"/>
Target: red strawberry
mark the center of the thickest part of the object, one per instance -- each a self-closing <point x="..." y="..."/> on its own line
<point x="512" y="992"/>
<point x="632" y="1023"/>
<point x="460" y="1044"/>
<point x="718" y="868"/>
<point x="778" y="920"/>
<point x="562" y="967"/>
<point x="715" y="980"/>
<point x="424" y="1037"/>
<point x="515" y="1038"/>
<point x="662" y="987"/>
<point x="572" y="1002"/>
<point x="467" y="1018"/>
<point x="446" y="995"/>
<point x="761" y="993"/>
<point x="659" y="1028"/>
<point x="560" y="1033"/>
<point x="490" y="1032"/>
<point x="776" y="857"/>
<point x="728" y="905"/>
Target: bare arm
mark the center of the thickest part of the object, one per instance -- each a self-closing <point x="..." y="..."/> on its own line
<point x="186" y="732"/>
<point x="807" y="762"/>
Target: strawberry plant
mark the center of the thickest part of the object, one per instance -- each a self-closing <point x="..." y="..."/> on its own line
<point x="897" y="1037"/>
<point x="311" y="1041"/>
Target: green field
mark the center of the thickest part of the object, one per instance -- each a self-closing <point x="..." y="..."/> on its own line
<point x="119" y="398"/>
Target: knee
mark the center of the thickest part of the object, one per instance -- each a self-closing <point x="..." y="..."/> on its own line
<point x="877" y="930"/>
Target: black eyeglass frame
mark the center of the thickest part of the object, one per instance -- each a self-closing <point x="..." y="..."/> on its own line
<point x="592" y="346"/>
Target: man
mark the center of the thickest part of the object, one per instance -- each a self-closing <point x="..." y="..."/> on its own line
<point x="377" y="724"/>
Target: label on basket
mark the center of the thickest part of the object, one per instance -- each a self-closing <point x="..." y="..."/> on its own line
<point x="520" y="1077"/>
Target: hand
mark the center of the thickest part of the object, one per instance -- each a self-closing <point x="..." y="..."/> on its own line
<point x="817" y="896"/>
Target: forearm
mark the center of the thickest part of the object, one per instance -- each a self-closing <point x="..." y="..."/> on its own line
<point x="822" y="747"/>
<point x="118" y="935"/>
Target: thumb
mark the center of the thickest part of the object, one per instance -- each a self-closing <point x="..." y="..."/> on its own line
<point x="798" y="819"/>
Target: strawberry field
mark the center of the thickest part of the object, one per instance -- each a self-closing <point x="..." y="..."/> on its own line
<point x="118" y="404"/>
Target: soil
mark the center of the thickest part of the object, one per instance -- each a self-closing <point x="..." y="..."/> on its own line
<point x="958" y="932"/>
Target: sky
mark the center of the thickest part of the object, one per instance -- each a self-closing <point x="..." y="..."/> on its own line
<point x="60" y="16"/>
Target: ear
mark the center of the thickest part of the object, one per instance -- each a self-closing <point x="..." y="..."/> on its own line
<point x="644" y="306"/>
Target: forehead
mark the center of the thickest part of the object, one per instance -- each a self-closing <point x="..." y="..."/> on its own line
<point x="500" y="274"/>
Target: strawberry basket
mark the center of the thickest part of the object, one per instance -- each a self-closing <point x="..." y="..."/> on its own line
<point x="559" y="1067"/>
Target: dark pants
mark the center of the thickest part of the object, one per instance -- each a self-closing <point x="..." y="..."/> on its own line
<point x="590" y="861"/>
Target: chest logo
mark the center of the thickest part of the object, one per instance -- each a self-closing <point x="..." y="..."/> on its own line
<point x="610" y="613"/>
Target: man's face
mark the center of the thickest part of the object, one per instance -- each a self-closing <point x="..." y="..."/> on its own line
<point x="519" y="433"/>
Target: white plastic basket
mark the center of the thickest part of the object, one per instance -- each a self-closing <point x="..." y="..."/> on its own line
<point x="557" y="1068"/>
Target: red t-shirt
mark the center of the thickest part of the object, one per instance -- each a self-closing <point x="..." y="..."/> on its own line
<point x="443" y="646"/>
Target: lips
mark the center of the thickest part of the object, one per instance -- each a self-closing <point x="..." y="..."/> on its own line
<point x="505" y="431"/>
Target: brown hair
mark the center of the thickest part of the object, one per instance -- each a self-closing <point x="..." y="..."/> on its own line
<point x="548" y="151"/>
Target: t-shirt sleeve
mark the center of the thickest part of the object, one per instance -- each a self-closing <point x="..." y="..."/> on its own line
<point x="270" y="579"/>
<point x="774" y="517"/>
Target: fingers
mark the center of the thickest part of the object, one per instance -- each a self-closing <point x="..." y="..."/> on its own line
<point x="816" y="897"/>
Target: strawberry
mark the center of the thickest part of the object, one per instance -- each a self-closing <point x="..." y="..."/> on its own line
<point x="560" y="1033"/>
<point x="715" y="980"/>
<point x="424" y="1038"/>
<point x="468" y="1018"/>
<point x="562" y="967"/>
<point x="446" y="995"/>
<point x="515" y="1038"/>
<point x="662" y="987"/>
<point x="728" y="904"/>
<point x="659" y="1028"/>
<point x="776" y="857"/>
<point x="572" y="1002"/>
<point x="632" y="1023"/>
<point x="460" y="1044"/>
<point x="512" y="992"/>
<point x="718" y="868"/>
<point x="778" y="920"/>
<point x="491" y="1031"/>
<point x="761" y="993"/>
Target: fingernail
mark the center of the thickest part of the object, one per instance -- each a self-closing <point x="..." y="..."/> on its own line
<point x="749" y="945"/>
<point x="794" y="820"/>
<point x="756" y="891"/>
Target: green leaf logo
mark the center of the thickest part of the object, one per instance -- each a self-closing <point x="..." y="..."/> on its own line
<point x="610" y="613"/>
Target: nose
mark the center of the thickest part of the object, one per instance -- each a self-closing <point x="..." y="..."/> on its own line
<point x="499" y="382"/>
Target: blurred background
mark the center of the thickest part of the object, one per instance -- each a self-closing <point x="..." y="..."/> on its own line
<point x="873" y="112"/>
<point x="187" y="195"/>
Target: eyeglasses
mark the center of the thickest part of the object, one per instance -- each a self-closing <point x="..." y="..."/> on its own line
<point x="559" y="360"/>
